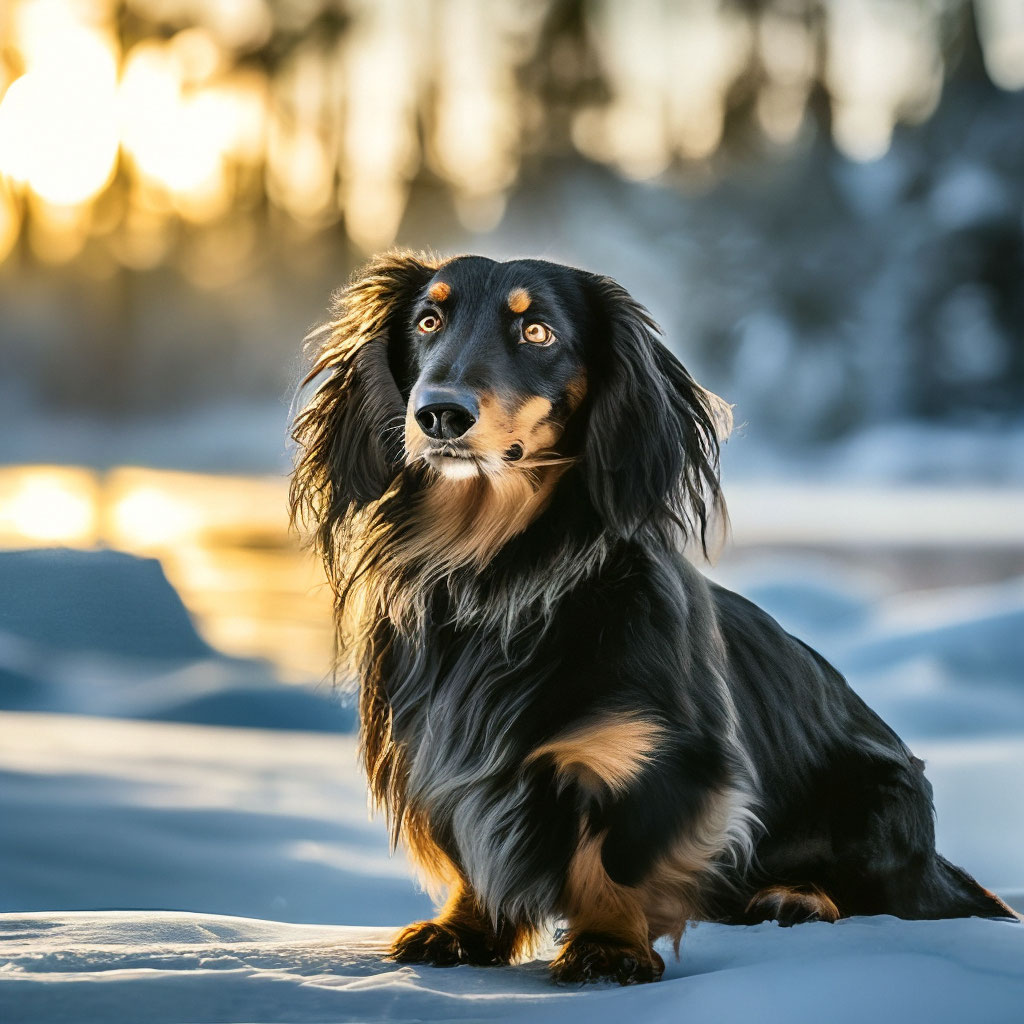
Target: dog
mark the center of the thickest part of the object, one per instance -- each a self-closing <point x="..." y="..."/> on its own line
<point x="504" y="469"/>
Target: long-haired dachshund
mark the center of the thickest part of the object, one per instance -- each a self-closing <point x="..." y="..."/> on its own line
<point x="561" y="717"/>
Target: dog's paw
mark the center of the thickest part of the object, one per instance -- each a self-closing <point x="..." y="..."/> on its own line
<point x="792" y="905"/>
<point x="438" y="944"/>
<point x="428" y="942"/>
<point x="591" y="958"/>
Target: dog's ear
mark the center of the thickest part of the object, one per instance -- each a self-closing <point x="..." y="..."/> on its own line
<point x="349" y="434"/>
<point x="650" y="451"/>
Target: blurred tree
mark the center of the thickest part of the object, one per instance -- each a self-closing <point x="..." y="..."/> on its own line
<point x="563" y="76"/>
<point x="259" y="149"/>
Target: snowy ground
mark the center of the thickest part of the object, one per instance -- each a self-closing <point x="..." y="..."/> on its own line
<point x="113" y="813"/>
<point x="162" y="871"/>
<point x="164" y="967"/>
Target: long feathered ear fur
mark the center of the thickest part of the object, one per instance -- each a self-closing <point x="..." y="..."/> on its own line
<point x="349" y="434"/>
<point x="652" y="440"/>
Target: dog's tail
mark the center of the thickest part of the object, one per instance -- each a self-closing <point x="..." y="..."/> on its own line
<point x="957" y="894"/>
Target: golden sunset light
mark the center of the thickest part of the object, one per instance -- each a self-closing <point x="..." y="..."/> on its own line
<point x="167" y="110"/>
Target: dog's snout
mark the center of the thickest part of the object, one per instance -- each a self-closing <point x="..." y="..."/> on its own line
<point x="446" y="413"/>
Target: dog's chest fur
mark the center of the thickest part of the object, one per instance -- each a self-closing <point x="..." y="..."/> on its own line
<point x="465" y="724"/>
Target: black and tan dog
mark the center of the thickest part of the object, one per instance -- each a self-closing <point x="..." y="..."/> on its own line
<point x="561" y="716"/>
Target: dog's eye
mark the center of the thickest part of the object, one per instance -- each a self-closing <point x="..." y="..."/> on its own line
<point x="538" y="334"/>
<point x="429" y="323"/>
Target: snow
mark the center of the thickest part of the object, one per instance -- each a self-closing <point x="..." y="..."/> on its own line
<point x="88" y="600"/>
<point x="195" y="967"/>
<point x="172" y="870"/>
<point x="848" y="512"/>
<point x="104" y="633"/>
<point x="224" y="820"/>
<point x="945" y="663"/>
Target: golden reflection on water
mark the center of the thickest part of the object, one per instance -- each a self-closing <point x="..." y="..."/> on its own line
<point x="223" y="541"/>
<point x="225" y="545"/>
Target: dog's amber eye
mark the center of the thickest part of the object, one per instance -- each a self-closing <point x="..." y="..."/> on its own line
<point x="429" y="323"/>
<point x="538" y="334"/>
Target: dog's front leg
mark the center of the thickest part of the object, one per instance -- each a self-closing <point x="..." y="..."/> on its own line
<point x="609" y="937"/>
<point x="656" y="809"/>
<point x="463" y="933"/>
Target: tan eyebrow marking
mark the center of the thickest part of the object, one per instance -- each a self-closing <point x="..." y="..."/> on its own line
<point x="519" y="300"/>
<point x="440" y="291"/>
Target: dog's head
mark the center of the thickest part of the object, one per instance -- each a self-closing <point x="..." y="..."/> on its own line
<point x="495" y="366"/>
<point x="474" y="370"/>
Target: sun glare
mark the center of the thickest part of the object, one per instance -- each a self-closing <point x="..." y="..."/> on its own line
<point x="172" y="104"/>
<point x="149" y="518"/>
<point x="58" y="132"/>
<point x="49" y="506"/>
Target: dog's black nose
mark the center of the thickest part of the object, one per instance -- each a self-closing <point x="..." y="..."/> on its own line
<point x="444" y="413"/>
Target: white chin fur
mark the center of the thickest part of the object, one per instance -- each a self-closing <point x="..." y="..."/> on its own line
<point x="454" y="469"/>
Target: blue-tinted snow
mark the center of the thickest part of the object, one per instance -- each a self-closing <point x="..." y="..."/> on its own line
<point x="105" y="633"/>
<point x="69" y="600"/>
<point x="171" y="969"/>
<point x="144" y="820"/>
